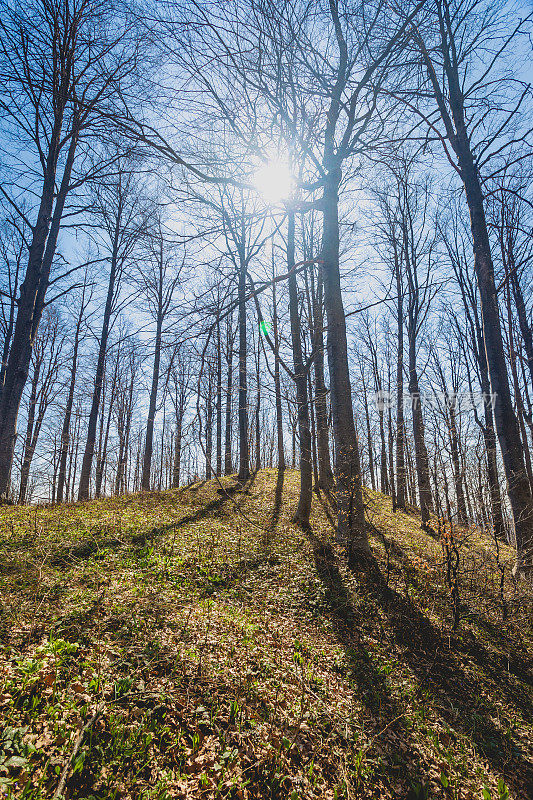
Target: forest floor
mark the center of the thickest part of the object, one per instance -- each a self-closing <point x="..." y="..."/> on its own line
<point x="195" y="644"/>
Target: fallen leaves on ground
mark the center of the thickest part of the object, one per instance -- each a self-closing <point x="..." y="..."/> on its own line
<point x="229" y="654"/>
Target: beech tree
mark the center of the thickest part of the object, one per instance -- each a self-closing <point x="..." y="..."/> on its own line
<point x="46" y="363"/>
<point x="118" y="209"/>
<point x="459" y="46"/>
<point x="159" y="277"/>
<point x="352" y="60"/>
<point x="331" y="168"/>
<point x="66" y="428"/>
<point x="60" y="64"/>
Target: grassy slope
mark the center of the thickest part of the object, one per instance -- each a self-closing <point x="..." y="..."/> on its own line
<point x="230" y="655"/>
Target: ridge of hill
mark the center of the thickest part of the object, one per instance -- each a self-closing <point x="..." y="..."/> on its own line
<point x="194" y="643"/>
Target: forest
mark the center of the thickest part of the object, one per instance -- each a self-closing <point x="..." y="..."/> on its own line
<point x="266" y="399"/>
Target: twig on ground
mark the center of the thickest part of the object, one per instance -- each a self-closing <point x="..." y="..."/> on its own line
<point x="66" y="769"/>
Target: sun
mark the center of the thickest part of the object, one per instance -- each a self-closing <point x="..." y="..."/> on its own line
<point x="274" y="181"/>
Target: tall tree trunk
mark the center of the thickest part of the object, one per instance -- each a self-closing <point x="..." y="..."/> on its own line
<point x="468" y="489"/>
<point x="123" y="432"/>
<point x="391" y="458"/>
<point x="489" y="437"/>
<point x="209" y="430"/>
<point x="314" y="458"/>
<point x="446" y="492"/>
<point x="277" y="383"/>
<point x="400" y="498"/>
<point x="258" y="408"/>
<point x="507" y="427"/>
<point x="149" y="440"/>
<point x="383" y="478"/>
<point x="244" y="461"/>
<point x="162" y="454"/>
<point x="303" y="511"/>
<point x="517" y="392"/>
<point x="129" y="414"/>
<point x="481" y="511"/>
<point x="457" y="471"/>
<point x="102" y="456"/>
<point x="326" y="481"/>
<point x="228" y="466"/>
<point x="10" y="325"/>
<point x="73" y="458"/>
<point x="55" y="462"/>
<point x="351" y="529"/>
<point x="219" y="402"/>
<point x="101" y="423"/>
<point x="177" y="453"/>
<point x="121" y="454"/>
<point x="421" y="456"/>
<point x="32" y="298"/>
<point x="410" y="472"/>
<point x="65" y="430"/>
<point x="27" y="456"/>
<point x="453" y="435"/>
<point x="487" y="426"/>
<point x="368" y="433"/>
<point x="86" y="466"/>
<point x="525" y="327"/>
<point x="378" y="386"/>
<point x="294" y="425"/>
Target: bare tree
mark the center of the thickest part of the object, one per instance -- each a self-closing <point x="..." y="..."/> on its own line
<point x="12" y="248"/>
<point x="46" y="361"/>
<point x="417" y="245"/>
<point x="60" y="62"/>
<point x="460" y="46"/>
<point x="159" y="279"/>
<point x="456" y="248"/>
<point x="180" y="375"/>
<point x="351" y="56"/>
<point x="301" y="369"/>
<point x="125" y="406"/>
<point x="66" y="429"/>
<point x="326" y="481"/>
<point x="230" y="339"/>
<point x="117" y="208"/>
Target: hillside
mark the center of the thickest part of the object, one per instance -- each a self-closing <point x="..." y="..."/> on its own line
<point x="195" y="644"/>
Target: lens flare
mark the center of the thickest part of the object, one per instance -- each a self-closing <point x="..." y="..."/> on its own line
<point x="274" y="181"/>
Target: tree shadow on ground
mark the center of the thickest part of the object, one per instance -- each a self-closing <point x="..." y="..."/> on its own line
<point x="270" y="529"/>
<point x="278" y="499"/>
<point x="327" y="508"/>
<point x="459" y="697"/>
<point x="195" y="486"/>
<point x="202" y="512"/>
<point x="400" y="758"/>
<point x="498" y="667"/>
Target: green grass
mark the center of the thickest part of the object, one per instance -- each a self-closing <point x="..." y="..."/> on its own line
<point x="231" y="655"/>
